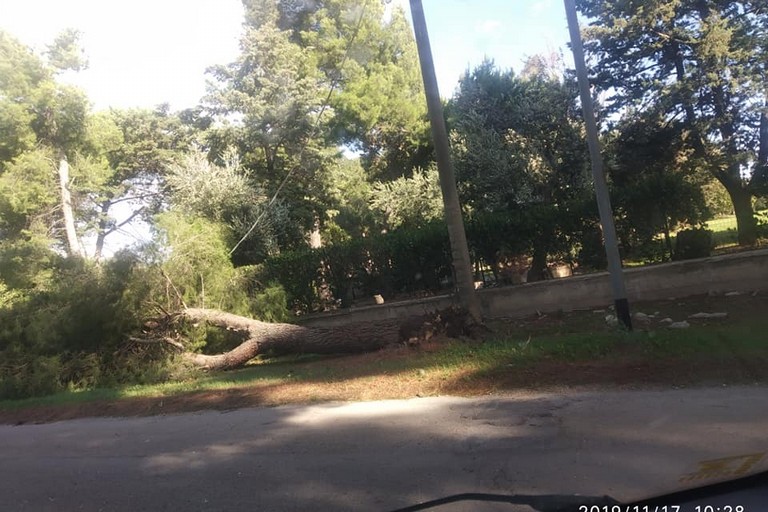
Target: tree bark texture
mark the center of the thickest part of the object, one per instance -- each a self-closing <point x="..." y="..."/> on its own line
<point x="742" y="206"/>
<point x="760" y="178"/>
<point x="73" y="244"/>
<point x="281" y="339"/>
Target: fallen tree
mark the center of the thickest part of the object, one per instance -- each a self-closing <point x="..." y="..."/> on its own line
<point x="283" y="339"/>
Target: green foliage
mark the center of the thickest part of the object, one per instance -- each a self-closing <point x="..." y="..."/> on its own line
<point x="591" y="254"/>
<point x="15" y="125"/>
<point x="197" y="263"/>
<point x="114" y="156"/>
<point x="380" y="106"/>
<point x="226" y="194"/>
<point x="28" y="192"/>
<point x="298" y="274"/>
<point x="293" y="62"/>
<point x="403" y="260"/>
<point x="42" y="122"/>
<point x="60" y="116"/>
<point x="517" y="140"/>
<point x="413" y="201"/>
<point x="203" y="188"/>
<point x="349" y="194"/>
<point x="70" y="331"/>
<point x="655" y="184"/>
<point x="125" y="159"/>
<point x="716" y="198"/>
<point x="519" y="149"/>
<point x="699" y="62"/>
<point x="39" y="376"/>
<point x="195" y="258"/>
<point x="411" y="259"/>
<point x="65" y="53"/>
<point x="270" y="304"/>
<point x="420" y="258"/>
<point x="28" y="265"/>
<point x="276" y="90"/>
<point x="693" y="243"/>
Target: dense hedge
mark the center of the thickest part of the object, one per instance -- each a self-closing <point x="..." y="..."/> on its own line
<point x="402" y="261"/>
<point x="405" y="260"/>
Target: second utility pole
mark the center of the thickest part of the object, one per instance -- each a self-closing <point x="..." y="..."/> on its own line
<point x="601" y="188"/>
<point x="462" y="267"/>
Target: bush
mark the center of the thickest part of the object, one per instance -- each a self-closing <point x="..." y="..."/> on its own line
<point x="298" y="272"/>
<point x="693" y="243"/>
<point x="72" y="333"/>
<point x="592" y="253"/>
<point x="490" y="235"/>
<point x="404" y="260"/>
<point x="419" y="258"/>
<point x="35" y="377"/>
<point x="762" y="224"/>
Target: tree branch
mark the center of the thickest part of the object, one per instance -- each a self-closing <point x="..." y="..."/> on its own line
<point x="224" y="320"/>
<point x="178" y="295"/>
<point x="134" y="198"/>
<point x="126" y="221"/>
<point x="165" y="339"/>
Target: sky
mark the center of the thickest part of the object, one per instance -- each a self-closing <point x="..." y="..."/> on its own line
<point x="146" y="52"/>
<point x="463" y="32"/>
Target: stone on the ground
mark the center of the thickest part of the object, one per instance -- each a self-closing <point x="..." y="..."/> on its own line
<point x="732" y="294"/>
<point x="641" y="318"/>
<point x="611" y="320"/>
<point x="709" y="315"/>
<point x="666" y="320"/>
<point x="679" y="325"/>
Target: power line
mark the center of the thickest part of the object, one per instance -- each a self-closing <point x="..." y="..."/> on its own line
<point x="313" y="132"/>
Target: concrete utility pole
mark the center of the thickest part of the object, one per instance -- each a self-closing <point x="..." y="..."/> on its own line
<point x="601" y="188"/>
<point x="462" y="267"/>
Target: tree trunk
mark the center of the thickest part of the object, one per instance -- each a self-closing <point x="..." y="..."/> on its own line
<point x="315" y="238"/>
<point x="760" y="177"/>
<point x="281" y="339"/>
<point x="103" y="229"/>
<point x="667" y="240"/>
<point x="745" y="214"/>
<point x="538" y="268"/>
<point x="73" y="244"/>
<point x="762" y="153"/>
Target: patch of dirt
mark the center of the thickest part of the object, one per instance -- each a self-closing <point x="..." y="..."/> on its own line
<point x="739" y="307"/>
<point x="625" y="368"/>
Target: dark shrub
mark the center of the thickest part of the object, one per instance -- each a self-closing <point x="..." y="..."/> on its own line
<point x="693" y="243"/>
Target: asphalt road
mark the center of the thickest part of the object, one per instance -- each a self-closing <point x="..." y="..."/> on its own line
<point x="385" y="455"/>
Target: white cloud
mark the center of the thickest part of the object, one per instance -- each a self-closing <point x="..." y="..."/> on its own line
<point x="541" y="7"/>
<point x="488" y="26"/>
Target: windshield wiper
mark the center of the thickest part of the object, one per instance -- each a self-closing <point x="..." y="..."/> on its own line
<point x="750" y="491"/>
<point x="545" y="503"/>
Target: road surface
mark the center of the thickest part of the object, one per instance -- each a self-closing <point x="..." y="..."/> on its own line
<point x="385" y="455"/>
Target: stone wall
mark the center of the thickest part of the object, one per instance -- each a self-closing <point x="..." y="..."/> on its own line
<point x="745" y="271"/>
